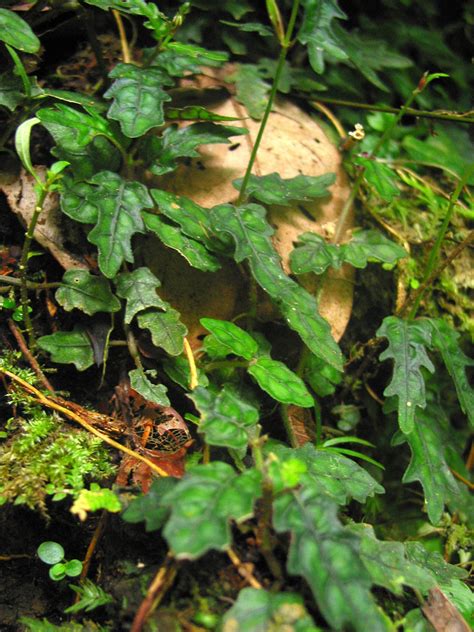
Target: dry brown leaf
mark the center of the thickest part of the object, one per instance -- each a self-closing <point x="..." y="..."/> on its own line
<point x="441" y="613"/>
<point x="293" y="144"/>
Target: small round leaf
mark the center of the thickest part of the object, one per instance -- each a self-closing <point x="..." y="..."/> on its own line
<point x="50" y="552"/>
<point x="73" y="568"/>
<point x="57" y="572"/>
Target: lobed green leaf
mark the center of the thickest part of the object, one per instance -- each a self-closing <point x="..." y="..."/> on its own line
<point x="202" y="505"/>
<point x="114" y="206"/>
<point x="91" y="294"/>
<point x="167" y="331"/>
<point x="172" y="236"/>
<point x="227" y="419"/>
<point x="155" y="393"/>
<point x="138" y="288"/>
<point x="428" y="444"/>
<point x="84" y="126"/>
<point x="332" y="474"/>
<point x="314" y="254"/>
<point x="272" y="189"/>
<point x="69" y="347"/>
<point x="328" y="556"/>
<point x="183" y="142"/>
<point x="251" y="89"/>
<point x="407" y="347"/>
<point x="380" y="176"/>
<point x="150" y="507"/>
<point x="251" y="233"/>
<point x="138" y="96"/>
<point x="445" y="340"/>
<point x="317" y="32"/>
<point x="259" y="610"/>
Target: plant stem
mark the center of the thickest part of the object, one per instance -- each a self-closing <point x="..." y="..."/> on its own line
<point x="442" y="116"/>
<point x="9" y="280"/>
<point x="23" y="266"/>
<point x="21" y="71"/>
<point x="439" y="240"/>
<point x="339" y="232"/>
<point x="280" y="65"/>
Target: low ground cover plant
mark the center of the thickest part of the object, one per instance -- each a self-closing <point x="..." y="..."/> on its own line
<point x="329" y="477"/>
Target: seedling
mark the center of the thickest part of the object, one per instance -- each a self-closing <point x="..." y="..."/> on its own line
<point x="52" y="553"/>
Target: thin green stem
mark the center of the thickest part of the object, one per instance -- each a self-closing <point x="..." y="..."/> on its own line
<point x="21" y="70"/>
<point x="23" y="265"/>
<point x="430" y="266"/>
<point x="442" y="116"/>
<point x="280" y="65"/>
<point x="8" y="280"/>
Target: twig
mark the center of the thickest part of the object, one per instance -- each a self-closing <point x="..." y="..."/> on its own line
<point x="49" y="403"/>
<point x="29" y="356"/>
<point x="155" y="593"/>
<point x="123" y="37"/>
<point x="9" y="280"/>
<point x="98" y="532"/>
<point x="193" y="379"/>
<point x="242" y="569"/>
<point x="460" y="117"/>
<point x="462" y="479"/>
<point x="334" y="120"/>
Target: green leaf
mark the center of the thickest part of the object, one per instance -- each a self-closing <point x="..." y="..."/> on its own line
<point x="251" y="232"/>
<point x="226" y="418"/>
<point x="84" y="126"/>
<point x="462" y="597"/>
<point x="177" y="369"/>
<point x="250" y="27"/>
<point x="328" y="556"/>
<point x="380" y="176"/>
<point x="433" y="563"/>
<point x="193" y="219"/>
<point x="183" y="142"/>
<point x="276" y="379"/>
<point x="73" y="568"/>
<point x="69" y="347"/>
<point x="167" y="331"/>
<point x="91" y="294"/>
<point x="272" y="189"/>
<point x="11" y="91"/>
<point x="332" y="474"/>
<point x="50" y="552"/>
<point x="171" y="236"/>
<point x="22" y="145"/>
<point x="202" y="504"/>
<point x="259" y="610"/>
<point x="57" y="572"/>
<point x="317" y="32"/>
<point x="428" y="465"/>
<point x="389" y="565"/>
<point x="369" y="55"/>
<point x="139" y="289"/>
<point x="138" y="98"/>
<point x="198" y="52"/>
<point x="90" y="597"/>
<point x="199" y="113"/>
<point x="237" y="341"/>
<point x="251" y="89"/>
<point x="322" y="377"/>
<point x="16" y="32"/>
<point x="407" y="342"/>
<point x="149" y="507"/>
<point x="94" y="499"/>
<point x="314" y="254"/>
<point x="114" y="205"/>
<point x="450" y="149"/>
<point x="445" y="340"/>
<point x="155" y="393"/>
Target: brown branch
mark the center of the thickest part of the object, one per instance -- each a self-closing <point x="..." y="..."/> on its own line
<point x="29" y="356"/>
<point x="155" y="593"/>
